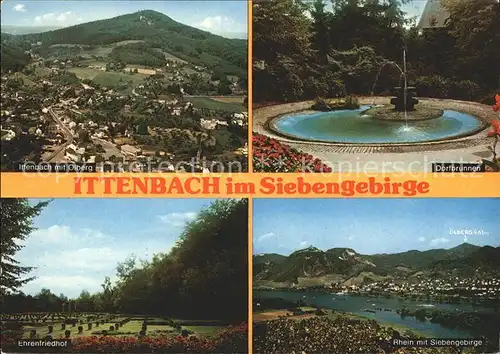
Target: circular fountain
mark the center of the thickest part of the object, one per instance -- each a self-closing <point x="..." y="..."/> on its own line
<point x="359" y="127"/>
<point x="397" y="123"/>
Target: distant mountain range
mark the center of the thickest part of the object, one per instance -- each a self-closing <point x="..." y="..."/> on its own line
<point x="157" y="31"/>
<point x="18" y="30"/>
<point x="314" y="267"/>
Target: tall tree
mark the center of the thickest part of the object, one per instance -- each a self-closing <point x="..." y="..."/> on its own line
<point x="475" y="25"/>
<point x="17" y="224"/>
<point x="282" y="52"/>
<point x="320" y="29"/>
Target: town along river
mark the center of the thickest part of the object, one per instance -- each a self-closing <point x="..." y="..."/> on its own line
<point x="359" y="304"/>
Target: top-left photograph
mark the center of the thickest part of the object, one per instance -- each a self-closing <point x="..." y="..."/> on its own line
<point x="124" y="86"/>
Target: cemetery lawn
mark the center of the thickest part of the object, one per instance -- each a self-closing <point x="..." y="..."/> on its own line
<point x="130" y="328"/>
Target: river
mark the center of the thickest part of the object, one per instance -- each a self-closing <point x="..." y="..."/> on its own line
<point x="358" y="304"/>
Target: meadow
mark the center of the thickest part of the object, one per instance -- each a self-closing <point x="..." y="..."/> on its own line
<point x="109" y="79"/>
<point x="228" y="104"/>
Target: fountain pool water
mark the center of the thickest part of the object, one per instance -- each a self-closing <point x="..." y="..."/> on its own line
<point x="358" y="127"/>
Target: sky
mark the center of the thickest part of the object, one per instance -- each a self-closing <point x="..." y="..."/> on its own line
<point x="225" y="17"/>
<point x="372" y="226"/>
<point x="413" y="8"/>
<point x="78" y="242"/>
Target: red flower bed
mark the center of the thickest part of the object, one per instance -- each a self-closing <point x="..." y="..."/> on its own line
<point x="230" y="340"/>
<point x="160" y="344"/>
<point x="496" y="106"/>
<point x="269" y="155"/>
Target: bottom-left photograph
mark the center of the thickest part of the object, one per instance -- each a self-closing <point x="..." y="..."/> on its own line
<point x="124" y="275"/>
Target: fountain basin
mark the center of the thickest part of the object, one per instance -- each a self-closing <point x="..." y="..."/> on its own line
<point x="359" y="127"/>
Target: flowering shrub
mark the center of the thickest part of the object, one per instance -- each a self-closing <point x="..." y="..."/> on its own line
<point x="496" y="106"/>
<point x="233" y="340"/>
<point x="494" y="164"/>
<point x="269" y="155"/>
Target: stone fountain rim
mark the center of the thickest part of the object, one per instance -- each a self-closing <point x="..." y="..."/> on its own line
<point x="268" y="126"/>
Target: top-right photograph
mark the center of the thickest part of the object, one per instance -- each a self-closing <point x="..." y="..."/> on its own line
<point x="376" y="86"/>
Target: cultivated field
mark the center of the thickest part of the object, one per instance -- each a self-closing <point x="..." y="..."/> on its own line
<point x="222" y="104"/>
<point x="172" y="57"/>
<point x="108" y="78"/>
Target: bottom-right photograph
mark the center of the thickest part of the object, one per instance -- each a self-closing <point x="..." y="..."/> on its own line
<point x="376" y="275"/>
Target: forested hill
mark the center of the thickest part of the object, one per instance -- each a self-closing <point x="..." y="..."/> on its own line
<point x="14" y="56"/>
<point x="158" y="31"/>
<point x="463" y="260"/>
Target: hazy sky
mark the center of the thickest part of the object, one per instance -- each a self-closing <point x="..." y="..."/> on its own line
<point x="372" y="225"/>
<point x="80" y="241"/>
<point x="414" y="8"/>
<point x="221" y="17"/>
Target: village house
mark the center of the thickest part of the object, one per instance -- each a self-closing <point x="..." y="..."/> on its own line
<point x="74" y="154"/>
<point x="53" y="129"/>
<point x="129" y="150"/>
<point x="8" y="134"/>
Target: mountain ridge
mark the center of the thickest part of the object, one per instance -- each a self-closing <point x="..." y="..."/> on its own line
<point x="345" y="264"/>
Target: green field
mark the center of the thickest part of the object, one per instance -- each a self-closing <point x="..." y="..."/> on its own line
<point x="85" y="73"/>
<point x="42" y="72"/>
<point x="26" y="80"/>
<point x="130" y="41"/>
<point x="209" y="103"/>
<point x="169" y="56"/>
<point x="108" y="78"/>
<point x="112" y="79"/>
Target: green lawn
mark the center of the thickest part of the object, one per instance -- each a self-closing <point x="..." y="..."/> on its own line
<point x="209" y="103"/>
<point x="112" y="79"/>
<point x="42" y="72"/>
<point x="169" y="56"/>
<point x="85" y="73"/>
<point x="102" y="51"/>
<point x="131" y="328"/>
<point x="204" y="330"/>
<point x="26" y="80"/>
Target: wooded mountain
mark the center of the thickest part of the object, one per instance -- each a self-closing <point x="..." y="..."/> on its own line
<point x="159" y="31"/>
<point x="345" y="263"/>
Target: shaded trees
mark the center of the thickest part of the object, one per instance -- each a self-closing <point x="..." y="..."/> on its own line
<point x="294" y="45"/>
<point x="282" y="50"/>
<point x="203" y="277"/>
<point x="475" y="26"/>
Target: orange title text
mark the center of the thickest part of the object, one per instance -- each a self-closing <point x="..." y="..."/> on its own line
<point x="227" y="186"/>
